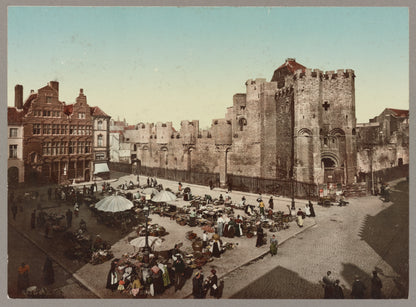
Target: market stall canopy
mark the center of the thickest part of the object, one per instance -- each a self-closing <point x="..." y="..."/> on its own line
<point x="164" y="196"/>
<point x="141" y="242"/>
<point x="101" y="168"/>
<point x="149" y="191"/>
<point x="114" y="203"/>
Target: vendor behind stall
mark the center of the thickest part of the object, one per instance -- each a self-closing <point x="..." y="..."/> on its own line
<point x="192" y="218"/>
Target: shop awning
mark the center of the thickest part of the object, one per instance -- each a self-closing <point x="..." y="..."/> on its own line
<point x="101" y="168"/>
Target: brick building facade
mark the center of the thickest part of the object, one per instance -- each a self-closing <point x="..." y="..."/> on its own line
<point x="58" y="139"/>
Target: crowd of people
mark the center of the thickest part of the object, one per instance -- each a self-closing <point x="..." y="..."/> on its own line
<point x="333" y="290"/>
<point x="142" y="275"/>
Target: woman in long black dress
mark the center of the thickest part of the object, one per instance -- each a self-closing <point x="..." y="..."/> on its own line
<point x="216" y="252"/>
<point x="311" y="209"/>
<point x="112" y="279"/>
<point x="213" y="282"/>
<point x="260" y="236"/>
<point x="48" y="272"/>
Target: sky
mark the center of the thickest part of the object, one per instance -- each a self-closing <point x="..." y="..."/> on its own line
<point x="160" y="64"/>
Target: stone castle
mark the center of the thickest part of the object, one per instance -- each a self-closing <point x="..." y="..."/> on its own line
<point x="301" y="125"/>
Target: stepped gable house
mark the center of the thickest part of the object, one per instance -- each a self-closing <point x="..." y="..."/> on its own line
<point x="301" y="125"/>
<point x="60" y="142"/>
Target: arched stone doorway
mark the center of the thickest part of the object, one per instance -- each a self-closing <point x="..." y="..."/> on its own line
<point x="329" y="165"/>
<point x="13" y="176"/>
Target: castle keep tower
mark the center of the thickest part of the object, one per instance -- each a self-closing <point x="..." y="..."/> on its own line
<point x="323" y="122"/>
<point x="301" y="125"/>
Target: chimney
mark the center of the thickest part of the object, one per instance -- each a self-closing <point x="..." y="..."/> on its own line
<point x="290" y="60"/>
<point x="18" y="96"/>
<point x="54" y="85"/>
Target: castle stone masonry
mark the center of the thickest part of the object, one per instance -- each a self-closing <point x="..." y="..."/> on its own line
<point x="301" y="125"/>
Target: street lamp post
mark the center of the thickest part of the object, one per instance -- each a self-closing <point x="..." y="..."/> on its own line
<point x="146" y="210"/>
<point x="293" y="194"/>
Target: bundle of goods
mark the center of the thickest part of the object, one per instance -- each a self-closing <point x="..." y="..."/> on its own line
<point x="202" y="222"/>
<point x="229" y="211"/>
<point x="197" y="245"/>
<point x="208" y="228"/>
<point x="248" y="229"/>
<point x="279" y="225"/>
<point x="182" y="220"/>
<point x="154" y="230"/>
<point x="266" y="224"/>
<point x="191" y="235"/>
<point x="101" y="256"/>
<point x="230" y="246"/>
<point x="182" y="210"/>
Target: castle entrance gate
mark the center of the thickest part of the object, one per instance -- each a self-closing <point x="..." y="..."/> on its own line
<point x="332" y="172"/>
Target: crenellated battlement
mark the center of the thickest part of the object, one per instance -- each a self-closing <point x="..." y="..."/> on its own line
<point x="328" y="75"/>
<point x="283" y="92"/>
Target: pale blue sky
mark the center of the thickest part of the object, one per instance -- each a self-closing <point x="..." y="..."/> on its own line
<point x="172" y="64"/>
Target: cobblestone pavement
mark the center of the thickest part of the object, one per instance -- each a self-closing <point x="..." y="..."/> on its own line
<point x="366" y="235"/>
<point x="300" y="262"/>
<point x="18" y="249"/>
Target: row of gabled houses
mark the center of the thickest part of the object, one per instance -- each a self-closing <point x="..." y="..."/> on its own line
<point x="52" y="141"/>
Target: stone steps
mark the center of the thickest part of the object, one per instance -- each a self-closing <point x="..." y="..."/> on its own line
<point x="356" y="190"/>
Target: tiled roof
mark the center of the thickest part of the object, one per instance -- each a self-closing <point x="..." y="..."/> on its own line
<point x="130" y="127"/>
<point x="119" y="123"/>
<point x="14" y="117"/>
<point x="28" y="101"/>
<point x="117" y="131"/>
<point x="399" y="113"/>
<point x="96" y="111"/>
<point x="292" y="66"/>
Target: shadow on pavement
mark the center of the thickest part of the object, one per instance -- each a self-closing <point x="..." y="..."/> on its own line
<point x="388" y="233"/>
<point x="280" y="283"/>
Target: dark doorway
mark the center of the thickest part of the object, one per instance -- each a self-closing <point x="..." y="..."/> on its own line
<point x="13" y="176"/>
<point x="87" y="174"/>
<point x="329" y="170"/>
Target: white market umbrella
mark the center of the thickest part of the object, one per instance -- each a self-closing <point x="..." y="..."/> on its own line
<point x="141" y="242"/>
<point x="149" y="191"/>
<point x="163" y="197"/>
<point x="114" y="203"/>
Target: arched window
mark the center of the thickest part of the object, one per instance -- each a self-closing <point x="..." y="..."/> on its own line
<point x="241" y="123"/>
<point x="100" y="140"/>
<point x="100" y="125"/>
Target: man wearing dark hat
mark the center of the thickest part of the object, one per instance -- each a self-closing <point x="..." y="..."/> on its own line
<point x="328" y="285"/>
<point x="338" y="293"/>
<point x="179" y="267"/>
<point x="271" y="204"/>
<point x="358" y="288"/>
<point x="376" y="286"/>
